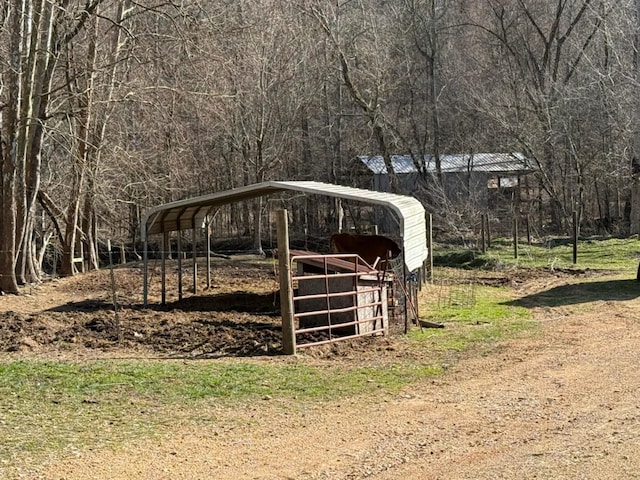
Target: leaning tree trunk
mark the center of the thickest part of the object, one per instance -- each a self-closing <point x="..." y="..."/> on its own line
<point x="71" y="225"/>
<point x="89" y="228"/>
<point x="97" y="120"/>
<point x="83" y="157"/>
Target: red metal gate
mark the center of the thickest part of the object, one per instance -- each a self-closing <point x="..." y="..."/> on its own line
<point x="336" y="297"/>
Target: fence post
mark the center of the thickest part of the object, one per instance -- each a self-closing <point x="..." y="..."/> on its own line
<point x="483" y="234"/>
<point x="179" y="257"/>
<point x="515" y="236"/>
<point x="430" y="245"/>
<point x="575" y="237"/>
<point x="286" y="289"/>
<point x="114" y="293"/>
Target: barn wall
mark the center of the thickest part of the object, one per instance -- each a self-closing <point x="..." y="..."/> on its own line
<point x="407" y="183"/>
<point x="463" y="188"/>
<point x="459" y="188"/>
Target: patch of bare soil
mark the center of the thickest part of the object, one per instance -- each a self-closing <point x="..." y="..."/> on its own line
<point x="560" y="405"/>
<point x="237" y="315"/>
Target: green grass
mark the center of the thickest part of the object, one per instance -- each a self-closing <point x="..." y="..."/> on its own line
<point x="612" y="254"/>
<point x="186" y="382"/>
<point x="494" y="314"/>
<point x="54" y="405"/>
<point x="486" y="304"/>
<point x="483" y="316"/>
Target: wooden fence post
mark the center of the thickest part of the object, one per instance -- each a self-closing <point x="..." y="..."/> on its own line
<point x="286" y="289"/>
<point x="430" y="245"/>
<point x="483" y="244"/>
<point x="515" y="236"/>
<point x="575" y="237"/>
<point x="114" y="293"/>
<point x="179" y="257"/>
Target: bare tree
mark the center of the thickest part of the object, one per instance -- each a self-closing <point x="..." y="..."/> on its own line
<point x="107" y="113"/>
<point x="540" y="51"/>
<point x="367" y="87"/>
<point x="635" y="139"/>
<point x="36" y="33"/>
<point x="91" y="88"/>
<point x="425" y="25"/>
<point x="262" y="110"/>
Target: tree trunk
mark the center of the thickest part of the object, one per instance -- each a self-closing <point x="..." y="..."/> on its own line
<point x="10" y="124"/>
<point x="89" y="229"/>
<point x="257" y="225"/>
<point x="635" y="159"/>
<point x="8" y="281"/>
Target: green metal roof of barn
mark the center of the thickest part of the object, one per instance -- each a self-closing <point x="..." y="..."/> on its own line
<point x="191" y="212"/>
<point x="505" y="163"/>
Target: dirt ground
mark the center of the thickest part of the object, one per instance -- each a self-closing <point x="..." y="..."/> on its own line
<point x="561" y="404"/>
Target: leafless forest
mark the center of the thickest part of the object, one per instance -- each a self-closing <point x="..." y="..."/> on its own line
<point x="109" y="107"/>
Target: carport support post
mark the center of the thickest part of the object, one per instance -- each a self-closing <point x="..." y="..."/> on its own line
<point x="194" y="240"/>
<point x="208" y="227"/>
<point x="165" y="246"/>
<point x="286" y="289"/>
<point x="179" y="248"/>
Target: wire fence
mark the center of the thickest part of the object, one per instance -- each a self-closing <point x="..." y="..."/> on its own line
<point x="455" y="288"/>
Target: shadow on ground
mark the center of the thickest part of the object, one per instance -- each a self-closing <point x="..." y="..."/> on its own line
<point x="613" y="290"/>
<point x="262" y="304"/>
<point x="209" y="326"/>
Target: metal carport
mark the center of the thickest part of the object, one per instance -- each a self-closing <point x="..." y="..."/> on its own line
<point x="189" y="213"/>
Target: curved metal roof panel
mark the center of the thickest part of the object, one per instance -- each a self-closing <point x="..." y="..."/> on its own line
<point x="189" y="213"/>
<point x="454" y="163"/>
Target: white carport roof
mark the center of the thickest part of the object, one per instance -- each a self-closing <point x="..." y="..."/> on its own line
<point x="188" y="213"/>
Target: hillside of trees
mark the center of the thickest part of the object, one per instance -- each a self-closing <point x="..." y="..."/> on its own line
<point x="110" y="107"/>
